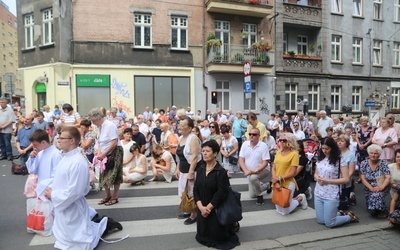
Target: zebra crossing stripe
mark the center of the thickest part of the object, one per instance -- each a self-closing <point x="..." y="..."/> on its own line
<point x="144" y="228"/>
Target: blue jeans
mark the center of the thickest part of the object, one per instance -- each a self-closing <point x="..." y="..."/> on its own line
<point x="327" y="212"/>
<point x="5" y="144"/>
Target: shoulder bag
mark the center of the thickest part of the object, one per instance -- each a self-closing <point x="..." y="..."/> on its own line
<point x="188" y="204"/>
<point x="344" y="202"/>
<point x="230" y="210"/>
<point x="281" y="197"/>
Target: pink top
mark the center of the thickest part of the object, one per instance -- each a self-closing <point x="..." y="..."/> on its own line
<point x="388" y="136"/>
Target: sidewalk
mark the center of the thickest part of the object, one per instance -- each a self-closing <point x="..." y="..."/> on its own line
<point x="372" y="236"/>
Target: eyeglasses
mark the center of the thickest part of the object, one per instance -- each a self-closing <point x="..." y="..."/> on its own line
<point x="251" y="134"/>
<point x="63" y="138"/>
<point x="212" y="126"/>
<point x="295" y="125"/>
<point x="282" y="140"/>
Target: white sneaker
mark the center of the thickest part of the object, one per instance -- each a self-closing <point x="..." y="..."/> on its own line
<point x="303" y="201"/>
<point x="309" y="193"/>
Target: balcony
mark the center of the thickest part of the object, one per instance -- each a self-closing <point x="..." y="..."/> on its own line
<point x="229" y="58"/>
<point x="302" y="63"/>
<point x="308" y="15"/>
<point x="253" y="8"/>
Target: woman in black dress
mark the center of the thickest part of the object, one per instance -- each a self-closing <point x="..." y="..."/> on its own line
<point x="210" y="190"/>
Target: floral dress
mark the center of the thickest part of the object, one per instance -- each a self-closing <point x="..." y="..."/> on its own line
<point x="227" y="145"/>
<point x="396" y="213"/>
<point x="363" y="137"/>
<point x="375" y="200"/>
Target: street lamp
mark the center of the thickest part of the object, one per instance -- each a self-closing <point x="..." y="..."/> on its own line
<point x="370" y="57"/>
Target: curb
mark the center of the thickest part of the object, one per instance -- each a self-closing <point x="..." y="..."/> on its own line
<point x="328" y="234"/>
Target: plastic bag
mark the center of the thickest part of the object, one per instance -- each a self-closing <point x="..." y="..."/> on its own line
<point x="40" y="217"/>
<point x="30" y="186"/>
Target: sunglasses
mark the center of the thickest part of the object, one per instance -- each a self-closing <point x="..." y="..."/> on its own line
<point x="251" y="134"/>
<point x="282" y="140"/>
<point x="212" y="126"/>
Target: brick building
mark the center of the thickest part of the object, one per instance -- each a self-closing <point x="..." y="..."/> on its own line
<point x="9" y="54"/>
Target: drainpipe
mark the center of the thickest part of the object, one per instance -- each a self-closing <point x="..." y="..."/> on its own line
<point x="204" y="55"/>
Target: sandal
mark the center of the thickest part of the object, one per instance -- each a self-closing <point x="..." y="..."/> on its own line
<point x="341" y="212"/>
<point x="111" y="202"/>
<point x="353" y="217"/>
<point x="104" y="200"/>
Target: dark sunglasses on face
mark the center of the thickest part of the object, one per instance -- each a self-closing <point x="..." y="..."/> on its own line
<point x="251" y="134"/>
<point x="212" y="127"/>
<point x="282" y="140"/>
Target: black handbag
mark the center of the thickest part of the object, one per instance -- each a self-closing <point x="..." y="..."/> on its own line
<point x="230" y="210"/>
<point x="344" y="202"/>
<point x="233" y="160"/>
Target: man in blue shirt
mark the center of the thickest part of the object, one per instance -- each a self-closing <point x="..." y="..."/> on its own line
<point x="121" y="113"/>
<point x="138" y="138"/>
<point x="23" y="145"/>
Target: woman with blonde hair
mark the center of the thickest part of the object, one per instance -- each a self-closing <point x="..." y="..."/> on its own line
<point x="162" y="163"/>
<point x="284" y="170"/>
<point x="156" y="114"/>
<point x="168" y="141"/>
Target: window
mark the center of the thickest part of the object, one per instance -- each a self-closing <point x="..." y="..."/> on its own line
<point x="336" y="6"/>
<point x="179" y="37"/>
<point x="302" y="45"/>
<point x="222" y="87"/>
<point x="29" y="31"/>
<point x="357" y="8"/>
<point x="395" y="98"/>
<point x="396" y="52"/>
<point x="313" y="97"/>
<point x="142" y="32"/>
<point x="291" y="96"/>
<point x="336" y="49"/>
<point x="250" y="104"/>
<point x="356" y="98"/>
<point x="378" y="9"/>
<point x="48" y="26"/>
<point x="336" y="92"/>
<point x="160" y="91"/>
<point x="4" y="57"/>
<point x="397" y="10"/>
<point x="251" y="31"/>
<point x="222" y="31"/>
<point x="285" y="43"/>
<point x="357" y="50"/>
<point x="377" y="49"/>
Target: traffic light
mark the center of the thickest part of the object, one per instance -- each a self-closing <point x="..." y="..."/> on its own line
<point x="214" y="97"/>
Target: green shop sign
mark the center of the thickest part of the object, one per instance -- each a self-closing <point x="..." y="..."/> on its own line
<point x="92" y="80"/>
<point x="40" y="87"/>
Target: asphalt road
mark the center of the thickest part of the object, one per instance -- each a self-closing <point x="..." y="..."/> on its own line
<point x="148" y="214"/>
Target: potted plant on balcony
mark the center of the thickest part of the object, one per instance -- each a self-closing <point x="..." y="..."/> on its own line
<point x="255" y="2"/>
<point x="239" y="57"/>
<point x="212" y="41"/>
<point x="291" y="53"/>
<point x="263" y="46"/>
<point x="311" y="48"/>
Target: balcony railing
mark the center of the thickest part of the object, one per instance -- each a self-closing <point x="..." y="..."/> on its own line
<point x="254" y="8"/>
<point x="303" y="14"/>
<point x="302" y="63"/>
<point x="238" y="54"/>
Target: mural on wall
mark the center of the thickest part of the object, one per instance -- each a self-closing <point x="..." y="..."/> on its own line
<point x="263" y="106"/>
<point x="121" y="96"/>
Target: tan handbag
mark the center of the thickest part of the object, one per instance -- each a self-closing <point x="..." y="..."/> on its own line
<point x="281" y="197"/>
<point x="188" y="204"/>
<point x="380" y="179"/>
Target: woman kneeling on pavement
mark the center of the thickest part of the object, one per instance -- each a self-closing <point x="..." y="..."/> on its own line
<point x="162" y="164"/>
<point x="210" y="190"/>
<point x="375" y="175"/>
<point x="331" y="172"/>
<point x="284" y="171"/>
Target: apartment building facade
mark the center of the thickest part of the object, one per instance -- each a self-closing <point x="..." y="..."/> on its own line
<point x="128" y="54"/>
<point x="9" y="55"/>
<point x="339" y="55"/>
